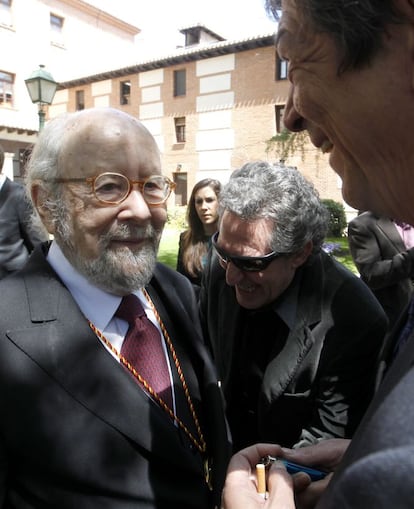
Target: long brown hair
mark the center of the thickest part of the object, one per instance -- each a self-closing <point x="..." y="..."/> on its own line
<point x="194" y="239"/>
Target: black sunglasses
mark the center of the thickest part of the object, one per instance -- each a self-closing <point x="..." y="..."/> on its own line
<point x="245" y="263"/>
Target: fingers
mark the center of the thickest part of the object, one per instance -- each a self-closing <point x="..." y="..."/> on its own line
<point x="280" y="488"/>
<point x="254" y="453"/>
<point x="327" y="453"/>
<point x="301" y="481"/>
<point x="309" y="497"/>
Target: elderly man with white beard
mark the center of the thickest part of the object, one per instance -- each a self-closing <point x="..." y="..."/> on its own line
<point x="109" y="397"/>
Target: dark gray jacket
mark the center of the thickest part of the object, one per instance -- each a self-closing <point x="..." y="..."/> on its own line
<point x="77" y="430"/>
<point x="385" y="264"/>
<point x="17" y="237"/>
<point x="322" y="381"/>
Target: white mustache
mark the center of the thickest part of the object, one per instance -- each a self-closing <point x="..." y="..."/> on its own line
<point x="128" y="232"/>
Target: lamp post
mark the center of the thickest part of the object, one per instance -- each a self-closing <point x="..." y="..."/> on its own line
<point x="41" y="87"/>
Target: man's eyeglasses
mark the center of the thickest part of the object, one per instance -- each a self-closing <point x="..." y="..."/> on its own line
<point x="114" y="188"/>
<point x="245" y="263"/>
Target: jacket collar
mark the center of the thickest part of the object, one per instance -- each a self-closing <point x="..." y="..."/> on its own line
<point x="63" y="345"/>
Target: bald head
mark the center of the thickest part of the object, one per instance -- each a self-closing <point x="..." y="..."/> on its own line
<point x="108" y="137"/>
<point x="70" y="141"/>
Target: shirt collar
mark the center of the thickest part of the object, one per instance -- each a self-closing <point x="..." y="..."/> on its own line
<point x="286" y="306"/>
<point x="97" y="305"/>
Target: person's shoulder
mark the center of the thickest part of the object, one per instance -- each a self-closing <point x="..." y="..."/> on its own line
<point x="13" y="187"/>
<point x="349" y="290"/>
<point x="330" y="263"/>
<point x="14" y="184"/>
<point x="336" y="275"/>
<point x="173" y="285"/>
<point x="167" y="275"/>
<point x="366" y="217"/>
<point x="183" y="235"/>
<point x="390" y="468"/>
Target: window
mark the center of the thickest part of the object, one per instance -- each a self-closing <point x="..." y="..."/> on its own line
<point x="281" y="68"/>
<point x="192" y="38"/>
<point x="179" y="129"/>
<point x="180" y="191"/>
<point x="179" y="82"/>
<point x="80" y="100"/>
<point x="5" y="12"/>
<point x="279" y="112"/>
<point x="125" y="92"/>
<point x="6" y="89"/>
<point x="56" y="28"/>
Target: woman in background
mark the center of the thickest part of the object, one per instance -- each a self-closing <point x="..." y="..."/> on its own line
<point x="202" y="220"/>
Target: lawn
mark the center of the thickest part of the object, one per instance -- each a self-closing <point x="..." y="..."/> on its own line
<point x="169" y="249"/>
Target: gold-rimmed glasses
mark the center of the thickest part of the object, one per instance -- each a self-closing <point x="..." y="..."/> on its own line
<point x="113" y="188"/>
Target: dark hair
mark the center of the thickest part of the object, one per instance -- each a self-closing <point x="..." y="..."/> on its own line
<point x="358" y="26"/>
<point x="194" y="242"/>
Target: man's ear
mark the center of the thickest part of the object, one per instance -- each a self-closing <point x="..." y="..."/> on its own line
<point x="39" y="197"/>
<point x="300" y="258"/>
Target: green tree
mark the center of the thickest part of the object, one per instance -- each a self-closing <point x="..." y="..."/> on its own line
<point x="337" y="218"/>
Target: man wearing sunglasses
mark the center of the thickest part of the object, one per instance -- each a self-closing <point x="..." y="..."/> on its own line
<point x="85" y="421"/>
<point x="294" y="334"/>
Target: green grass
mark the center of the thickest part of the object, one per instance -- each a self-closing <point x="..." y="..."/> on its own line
<point x="169" y="249"/>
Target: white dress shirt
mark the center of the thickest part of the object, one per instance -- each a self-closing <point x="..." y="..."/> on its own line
<point x="98" y="306"/>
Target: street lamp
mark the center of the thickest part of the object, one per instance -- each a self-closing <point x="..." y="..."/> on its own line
<point x="41" y="87"/>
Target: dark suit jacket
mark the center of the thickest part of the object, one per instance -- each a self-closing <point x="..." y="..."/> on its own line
<point x="321" y="383"/>
<point x="17" y="237"/>
<point x="76" y="430"/>
<point x="377" y="470"/>
<point x="383" y="261"/>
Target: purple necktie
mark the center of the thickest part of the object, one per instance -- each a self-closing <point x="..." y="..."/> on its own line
<point x="142" y="347"/>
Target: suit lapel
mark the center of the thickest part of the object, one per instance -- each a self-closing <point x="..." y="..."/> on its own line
<point x="282" y="368"/>
<point x="181" y="305"/>
<point x="65" y="347"/>
<point x="300" y="340"/>
<point x="391" y="232"/>
<point x="170" y="305"/>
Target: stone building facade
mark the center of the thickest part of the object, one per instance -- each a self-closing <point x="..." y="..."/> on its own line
<point x="211" y="106"/>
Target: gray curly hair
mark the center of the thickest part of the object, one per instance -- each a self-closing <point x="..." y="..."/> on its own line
<point x="263" y="190"/>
